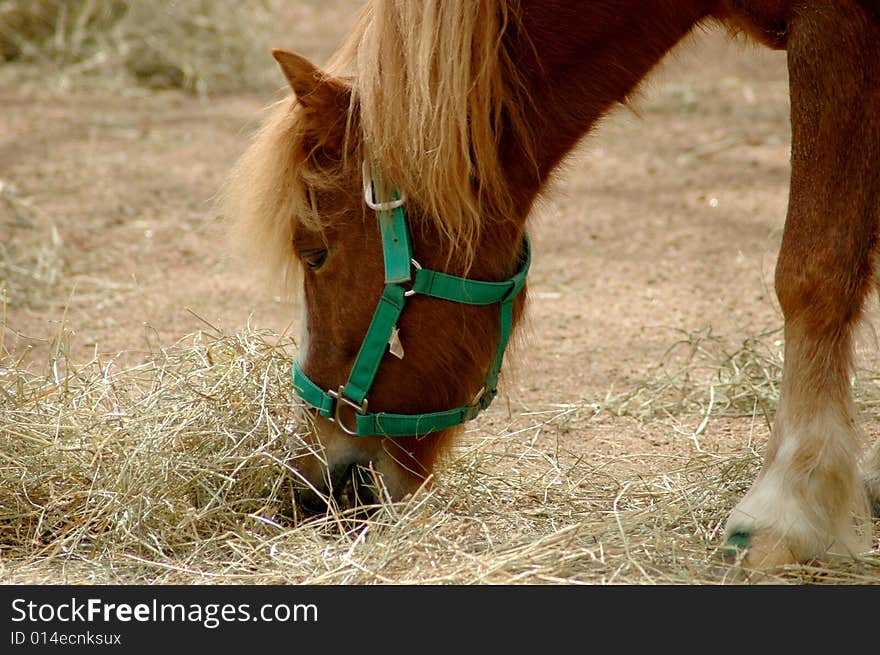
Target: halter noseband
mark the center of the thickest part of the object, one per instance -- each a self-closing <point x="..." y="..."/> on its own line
<point x="400" y="284"/>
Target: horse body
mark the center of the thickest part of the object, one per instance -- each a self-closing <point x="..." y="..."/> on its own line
<point x="469" y="108"/>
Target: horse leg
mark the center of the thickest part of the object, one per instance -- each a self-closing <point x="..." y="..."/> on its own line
<point x="872" y="478"/>
<point x="809" y="500"/>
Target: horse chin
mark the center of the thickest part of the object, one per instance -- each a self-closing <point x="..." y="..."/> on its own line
<point x="335" y="470"/>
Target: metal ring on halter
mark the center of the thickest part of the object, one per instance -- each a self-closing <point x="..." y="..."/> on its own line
<point x="479" y="396"/>
<point x="369" y="194"/>
<point x="340" y="396"/>
<point x="418" y="267"/>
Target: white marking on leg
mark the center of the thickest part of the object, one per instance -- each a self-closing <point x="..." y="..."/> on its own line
<point x="808" y="494"/>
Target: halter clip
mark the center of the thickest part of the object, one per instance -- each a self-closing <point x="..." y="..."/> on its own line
<point x="341" y="398"/>
<point x="370" y="194"/>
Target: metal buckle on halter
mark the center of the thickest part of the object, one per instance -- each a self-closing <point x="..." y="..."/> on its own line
<point x="340" y="395"/>
<point x="370" y="194"/>
<point x="475" y="406"/>
<point x="411" y="292"/>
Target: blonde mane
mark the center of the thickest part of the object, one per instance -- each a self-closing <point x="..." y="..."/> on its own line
<point x="433" y="89"/>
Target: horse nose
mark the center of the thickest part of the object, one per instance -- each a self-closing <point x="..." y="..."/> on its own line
<point x="336" y="470"/>
<point x="345" y="484"/>
<point x="354" y="486"/>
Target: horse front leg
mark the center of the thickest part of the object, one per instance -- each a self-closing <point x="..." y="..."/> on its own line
<point x="809" y="499"/>
<point x="871" y="471"/>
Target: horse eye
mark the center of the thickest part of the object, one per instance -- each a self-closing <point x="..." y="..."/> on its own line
<point x="314" y="259"/>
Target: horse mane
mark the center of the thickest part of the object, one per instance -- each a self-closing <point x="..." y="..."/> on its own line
<point x="266" y="196"/>
<point x="434" y="88"/>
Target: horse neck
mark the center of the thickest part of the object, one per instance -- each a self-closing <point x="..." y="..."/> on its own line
<point x="576" y="61"/>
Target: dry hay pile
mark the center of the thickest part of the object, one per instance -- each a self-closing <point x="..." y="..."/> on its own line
<point x="700" y="375"/>
<point x="178" y="471"/>
<point x="31" y="263"/>
<point x="198" y="45"/>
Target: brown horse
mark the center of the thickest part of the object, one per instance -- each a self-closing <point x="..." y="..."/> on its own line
<point x="467" y="108"/>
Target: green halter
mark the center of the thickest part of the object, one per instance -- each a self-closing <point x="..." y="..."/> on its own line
<point x="400" y="284"/>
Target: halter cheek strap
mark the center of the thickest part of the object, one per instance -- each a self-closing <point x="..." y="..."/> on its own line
<point x="348" y="405"/>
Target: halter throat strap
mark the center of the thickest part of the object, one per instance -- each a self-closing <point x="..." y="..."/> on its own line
<point x="348" y="405"/>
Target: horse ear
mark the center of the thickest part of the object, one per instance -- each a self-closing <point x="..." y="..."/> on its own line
<point x="312" y="86"/>
<point x="324" y="97"/>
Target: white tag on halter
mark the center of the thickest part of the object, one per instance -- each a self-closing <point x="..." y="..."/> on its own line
<point x="395" y="347"/>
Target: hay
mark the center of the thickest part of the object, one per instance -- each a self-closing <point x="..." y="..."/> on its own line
<point x="700" y="375"/>
<point x="31" y="266"/>
<point x="197" y="45"/>
<point x="163" y="458"/>
<point x="179" y="471"/>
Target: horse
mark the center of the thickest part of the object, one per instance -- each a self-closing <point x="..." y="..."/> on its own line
<point x="394" y="185"/>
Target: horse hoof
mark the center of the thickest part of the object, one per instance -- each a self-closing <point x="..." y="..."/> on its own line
<point x="758" y="550"/>
<point x="736" y="543"/>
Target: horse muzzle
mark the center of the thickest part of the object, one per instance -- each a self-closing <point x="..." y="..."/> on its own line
<point x="333" y="470"/>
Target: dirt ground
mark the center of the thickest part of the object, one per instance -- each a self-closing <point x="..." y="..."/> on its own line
<point x="665" y="222"/>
